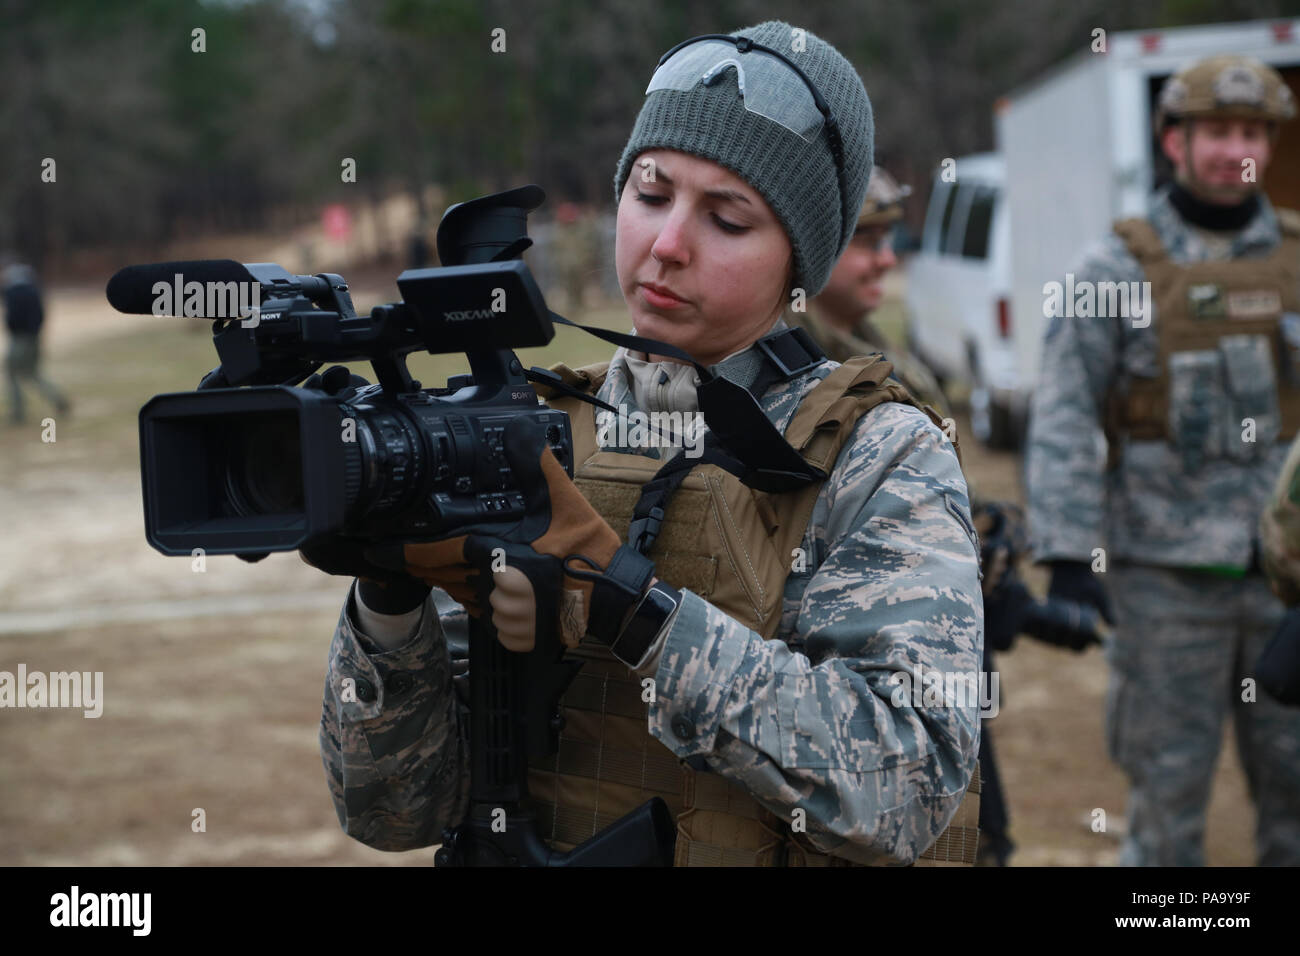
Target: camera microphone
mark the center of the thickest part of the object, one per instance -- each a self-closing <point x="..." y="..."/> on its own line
<point x="134" y="290"/>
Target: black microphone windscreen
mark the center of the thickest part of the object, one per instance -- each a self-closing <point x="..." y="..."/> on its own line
<point x="132" y="290"/>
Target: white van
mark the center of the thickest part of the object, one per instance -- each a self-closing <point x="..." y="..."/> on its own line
<point x="958" y="296"/>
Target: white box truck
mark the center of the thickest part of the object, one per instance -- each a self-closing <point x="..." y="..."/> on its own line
<point x="1079" y="151"/>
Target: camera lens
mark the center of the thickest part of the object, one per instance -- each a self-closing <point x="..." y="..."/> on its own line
<point x="264" y="468"/>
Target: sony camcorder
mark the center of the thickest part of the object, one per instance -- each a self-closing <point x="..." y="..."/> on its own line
<point x="270" y="455"/>
<point x="266" y="455"/>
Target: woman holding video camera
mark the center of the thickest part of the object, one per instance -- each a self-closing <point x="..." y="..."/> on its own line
<point x="758" y="660"/>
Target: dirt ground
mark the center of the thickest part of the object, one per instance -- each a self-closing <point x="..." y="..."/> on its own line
<point x="212" y="679"/>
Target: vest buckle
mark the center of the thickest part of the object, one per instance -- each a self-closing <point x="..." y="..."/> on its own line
<point x="645" y="528"/>
<point x="791" y="351"/>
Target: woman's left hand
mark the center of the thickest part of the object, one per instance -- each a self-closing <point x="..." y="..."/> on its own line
<point x="560" y="523"/>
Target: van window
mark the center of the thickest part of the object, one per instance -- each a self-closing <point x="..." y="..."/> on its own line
<point x="949" y="205"/>
<point x="940" y="196"/>
<point x="975" y="244"/>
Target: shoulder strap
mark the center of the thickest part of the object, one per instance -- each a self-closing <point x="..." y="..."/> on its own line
<point x="1141" y="239"/>
<point x="587" y="379"/>
<point x="822" y="424"/>
<point x="831" y="409"/>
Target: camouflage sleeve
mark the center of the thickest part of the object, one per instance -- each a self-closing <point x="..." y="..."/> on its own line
<point x="896" y="599"/>
<point x="392" y="736"/>
<point x="1279" y="531"/>
<point x="1065" y="454"/>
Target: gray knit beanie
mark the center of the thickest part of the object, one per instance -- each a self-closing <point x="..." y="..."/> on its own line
<point x="797" y="178"/>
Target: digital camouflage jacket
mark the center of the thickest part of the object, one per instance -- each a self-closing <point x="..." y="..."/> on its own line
<point x="816" y="718"/>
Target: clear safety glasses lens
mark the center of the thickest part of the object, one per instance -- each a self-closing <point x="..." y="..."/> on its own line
<point x="768" y="86"/>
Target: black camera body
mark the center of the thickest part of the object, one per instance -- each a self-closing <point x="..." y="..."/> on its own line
<point x="256" y="470"/>
<point x="251" y="463"/>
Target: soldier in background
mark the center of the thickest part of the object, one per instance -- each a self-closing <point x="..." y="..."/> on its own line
<point x="577" y="251"/>
<point x="419" y="253"/>
<point x="839" y="318"/>
<point x="24" y="316"/>
<point x="1193" y="400"/>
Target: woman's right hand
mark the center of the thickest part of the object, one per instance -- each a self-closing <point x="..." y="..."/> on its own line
<point x="383" y="590"/>
<point x="335" y="554"/>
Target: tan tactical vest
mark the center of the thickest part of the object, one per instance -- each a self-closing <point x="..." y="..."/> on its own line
<point x="1200" y="305"/>
<point x="732" y="546"/>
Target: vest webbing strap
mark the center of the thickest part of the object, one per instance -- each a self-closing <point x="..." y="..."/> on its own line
<point x="1142" y="241"/>
<point x="602" y="769"/>
<point x="647" y="516"/>
<point x="746" y="444"/>
<point x="859" y="373"/>
<point x="1140" y="407"/>
<point x="959" y="842"/>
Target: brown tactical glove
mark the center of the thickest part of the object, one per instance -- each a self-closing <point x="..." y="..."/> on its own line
<point x="562" y="561"/>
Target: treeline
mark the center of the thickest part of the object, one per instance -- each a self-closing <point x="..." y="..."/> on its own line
<point x="146" y="121"/>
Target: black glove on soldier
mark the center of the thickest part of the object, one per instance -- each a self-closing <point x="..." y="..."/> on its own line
<point x="1074" y="581"/>
<point x="1279" y="666"/>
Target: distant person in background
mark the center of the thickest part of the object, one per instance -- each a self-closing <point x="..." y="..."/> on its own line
<point x="24" y="316"/>
<point x="419" y="253"/>
<point x="577" y="251"/>
<point x="839" y="318"/>
<point x="1197" y="395"/>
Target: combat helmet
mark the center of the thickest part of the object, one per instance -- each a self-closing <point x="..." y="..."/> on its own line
<point x="1226" y="86"/>
<point x="883" y="203"/>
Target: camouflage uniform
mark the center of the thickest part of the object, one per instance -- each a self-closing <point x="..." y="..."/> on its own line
<point x="1279" y="530"/>
<point x="1193" y="612"/>
<point x="805" y="720"/>
<point x="883" y="206"/>
<point x="840" y="346"/>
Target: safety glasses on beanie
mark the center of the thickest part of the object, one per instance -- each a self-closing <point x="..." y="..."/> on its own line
<point x="769" y="83"/>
